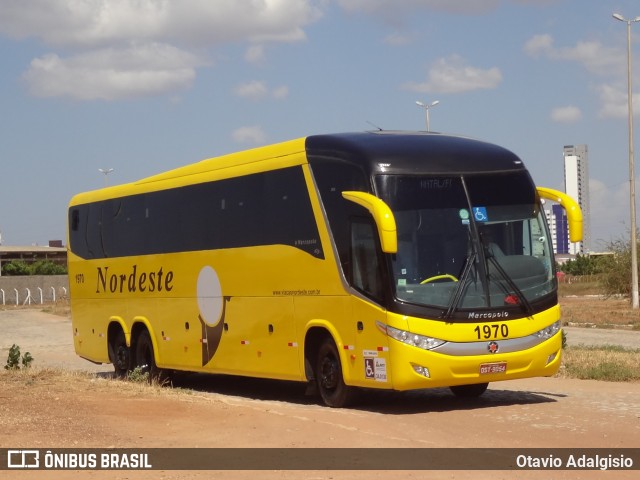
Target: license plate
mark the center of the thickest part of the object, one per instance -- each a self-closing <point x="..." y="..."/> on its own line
<point x="489" y="368"/>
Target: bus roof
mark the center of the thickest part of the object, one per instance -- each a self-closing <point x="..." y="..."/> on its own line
<point x="391" y="152"/>
<point x="402" y="152"/>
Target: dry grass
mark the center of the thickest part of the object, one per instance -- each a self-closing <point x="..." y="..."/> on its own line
<point x="584" y="304"/>
<point x="600" y="312"/>
<point x="613" y="364"/>
<point x="77" y="382"/>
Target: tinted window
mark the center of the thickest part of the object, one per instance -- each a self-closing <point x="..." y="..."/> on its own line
<point x="332" y="178"/>
<point x="262" y="209"/>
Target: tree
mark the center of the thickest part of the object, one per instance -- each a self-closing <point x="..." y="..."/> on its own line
<point x="582" y="265"/>
<point x="41" y="267"/>
<point x="15" y="267"/>
<point x="616" y="268"/>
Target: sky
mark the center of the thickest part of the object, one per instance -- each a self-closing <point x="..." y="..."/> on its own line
<point x="144" y="86"/>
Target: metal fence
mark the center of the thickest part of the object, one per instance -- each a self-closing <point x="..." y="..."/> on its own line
<point x="33" y="289"/>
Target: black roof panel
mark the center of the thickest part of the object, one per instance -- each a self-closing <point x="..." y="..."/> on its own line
<point x="399" y="152"/>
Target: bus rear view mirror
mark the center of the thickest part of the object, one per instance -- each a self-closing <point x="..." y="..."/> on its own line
<point x="574" y="214"/>
<point x="383" y="216"/>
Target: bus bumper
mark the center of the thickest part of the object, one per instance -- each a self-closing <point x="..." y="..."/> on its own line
<point x="413" y="368"/>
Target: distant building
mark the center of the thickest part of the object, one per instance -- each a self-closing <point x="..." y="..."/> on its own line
<point x="55" y="252"/>
<point x="576" y="185"/>
<point x="557" y="221"/>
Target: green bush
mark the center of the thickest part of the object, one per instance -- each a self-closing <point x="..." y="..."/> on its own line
<point x="40" y="267"/>
<point x="47" y="267"/>
<point x="15" y="268"/>
<point x="616" y="268"/>
<point x="583" y="265"/>
<point x="14" y="360"/>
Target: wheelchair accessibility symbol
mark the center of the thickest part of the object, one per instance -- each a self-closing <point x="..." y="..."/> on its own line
<point x="369" y="369"/>
<point x="480" y="214"/>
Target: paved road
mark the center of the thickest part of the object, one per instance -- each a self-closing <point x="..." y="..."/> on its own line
<point x="601" y="336"/>
<point x="47" y="337"/>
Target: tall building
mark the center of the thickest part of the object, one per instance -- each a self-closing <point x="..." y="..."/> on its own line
<point x="576" y="185"/>
<point x="558" y="226"/>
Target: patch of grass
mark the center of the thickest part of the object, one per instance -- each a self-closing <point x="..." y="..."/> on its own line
<point x="580" y="286"/>
<point x="598" y="311"/>
<point x="138" y="376"/>
<point x="608" y="363"/>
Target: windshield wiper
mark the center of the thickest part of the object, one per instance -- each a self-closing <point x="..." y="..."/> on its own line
<point x="514" y="288"/>
<point x="462" y="282"/>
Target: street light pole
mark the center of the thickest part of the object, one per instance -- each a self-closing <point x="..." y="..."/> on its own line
<point x="426" y="109"/>
<point x="635" y="303"/>
<point x="106" y="172"/>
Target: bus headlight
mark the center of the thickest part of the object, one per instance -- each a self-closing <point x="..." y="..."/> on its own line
<point x="420" y="370"/>
<point x="413" y="339"/>
<point x="549" y="331"/>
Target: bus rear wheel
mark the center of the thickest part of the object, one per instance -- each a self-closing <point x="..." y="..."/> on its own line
<point x="120" y="355"/>
<point x="469" y="391"/>
<point x="145" y="360"/>
<point x="333" y="391"/>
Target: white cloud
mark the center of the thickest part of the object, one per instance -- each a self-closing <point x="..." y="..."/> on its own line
<point x="568" y="114"/>
<point x="85" y="23"/>
<point x="399" y="39"/>
<point x="252" y="90"/>
<point x="538" y="45"/>
<point x="384" y="8"/>
<point x="453" y="75"/>
<point x="251" y="134"/>
<point x="110" y="73"/>
<point x="100" y="33"/>
<point x="609" y="206"/>
<point x="592" y="55"/>
<point x="605" y="62"/>
<point x="255" y="54"/>
<point x="258" y="90"/>
<point x="280" y="93"/>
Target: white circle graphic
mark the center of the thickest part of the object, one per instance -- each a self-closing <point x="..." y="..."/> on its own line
<point x="209" y="291"/>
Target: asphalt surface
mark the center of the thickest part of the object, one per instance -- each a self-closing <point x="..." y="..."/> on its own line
<point x="600" y="337"/>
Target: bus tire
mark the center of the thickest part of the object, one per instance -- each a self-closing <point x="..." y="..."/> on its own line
<point x="469" y="391"/>
<point x="145" y="359"/>
<point x="119" y="354"/>
<point x="333" y="391"/>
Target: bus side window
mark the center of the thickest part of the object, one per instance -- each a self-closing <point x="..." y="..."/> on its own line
<point x="365" y="261"/>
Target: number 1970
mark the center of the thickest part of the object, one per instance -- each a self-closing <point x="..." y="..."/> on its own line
<point x="492" y="331"/>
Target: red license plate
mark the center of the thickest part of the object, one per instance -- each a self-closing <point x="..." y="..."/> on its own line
<point x="489" y="368"/>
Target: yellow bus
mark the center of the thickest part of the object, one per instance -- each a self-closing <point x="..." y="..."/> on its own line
<point x="388" y="260"/>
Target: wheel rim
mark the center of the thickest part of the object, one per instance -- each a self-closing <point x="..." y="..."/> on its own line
<point x="122" y="357"/>
<point x="144" y="362"/>
<point x="329" y="373"/>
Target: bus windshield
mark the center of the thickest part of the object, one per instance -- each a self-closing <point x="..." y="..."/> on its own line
<point x="468" y="241"/>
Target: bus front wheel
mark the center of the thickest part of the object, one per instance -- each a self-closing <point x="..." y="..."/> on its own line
<point x="469" y="391"/>
<point x="329" y="377"/>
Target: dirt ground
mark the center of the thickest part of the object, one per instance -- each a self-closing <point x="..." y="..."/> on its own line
<point x="79" y="405"/>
